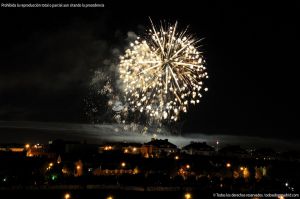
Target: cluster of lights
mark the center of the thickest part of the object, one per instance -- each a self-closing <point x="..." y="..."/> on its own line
<point x="37" y="146"/>
<point x="245" y="171"/>
<point x="50" y="166"/>
<point x="68" y="196"/>
<point x="108" y="148"/>
<point x="289" y="186"/>
<point x="163" y="74"/>
<point x="185" y="169"/>
<point x="133" y="150"/>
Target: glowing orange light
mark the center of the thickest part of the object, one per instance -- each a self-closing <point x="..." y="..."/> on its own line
<point x="67" y="196"/>
<point x="246" y="173"/>
<point x="187" y="196"/>
<point x="107" y="148"/>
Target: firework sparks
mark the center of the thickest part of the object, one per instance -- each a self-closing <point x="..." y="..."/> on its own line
<point x="163" y="73"/>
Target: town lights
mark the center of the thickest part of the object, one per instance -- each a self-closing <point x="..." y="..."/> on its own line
<point x="176" y="157"/>
<point x="109" y="197"/>
<point x="188" y="166"/>
<point x="27" y="146"/>
<point x="123" y="164"/>
<point x="50" y="166"/>
<point x="108" y="148"/>
<point x="228" y="165"/>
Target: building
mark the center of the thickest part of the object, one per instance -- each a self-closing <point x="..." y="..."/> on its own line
<point x="198" y="148"/>
<point x="68" y="147"/>
<point x="36" y="150"/>
<point x="233" y="151"/>
<point x="124" y="147"/>
<point x="131" y="148"/>
<point x="16" y="148"/>
<point x="265" y="154"/>
<point x="158" y="148"/>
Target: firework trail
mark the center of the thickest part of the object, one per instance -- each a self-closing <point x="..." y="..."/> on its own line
<point x="163" y="73"/>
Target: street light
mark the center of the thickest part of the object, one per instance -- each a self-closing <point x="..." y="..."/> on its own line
<point x="67" y="196"/>
<point x="187" y="196"/>
<point x="286" y="184"/>
<point x="188" y="166"/>
<point x="109" y="197"/>
<point x="50" y="166"/>
<point x="123" y="164"/>
<point x="228" y="165"/>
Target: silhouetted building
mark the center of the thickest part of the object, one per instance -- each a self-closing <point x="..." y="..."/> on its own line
<point x="62" y="147"/>
<point x="158" y="147"/>
<point x="198" y="148"/>
<point x="265" y="154"/>
<point x="17" y="148"/>
<point x="233" y="150"/>
<point x="124" y="147"/>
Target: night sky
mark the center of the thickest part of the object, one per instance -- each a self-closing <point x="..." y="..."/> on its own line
<point x="252" y="51"/>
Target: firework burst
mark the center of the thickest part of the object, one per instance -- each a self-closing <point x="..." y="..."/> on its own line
<point x="163" y="73"/>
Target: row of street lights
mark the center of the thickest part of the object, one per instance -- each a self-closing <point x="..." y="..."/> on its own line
<point x="186" y="196"/>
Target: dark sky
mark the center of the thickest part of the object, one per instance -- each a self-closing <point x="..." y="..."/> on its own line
<point x="252" y="52"/>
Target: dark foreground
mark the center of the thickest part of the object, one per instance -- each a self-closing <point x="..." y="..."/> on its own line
<point x="101" y="194"/>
